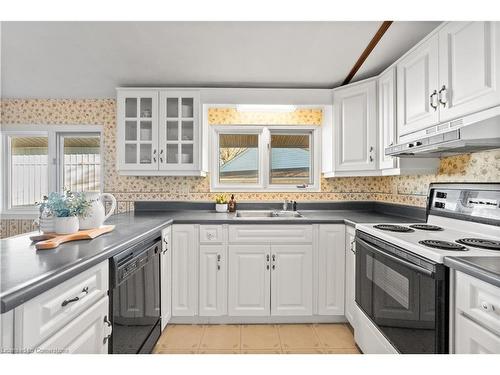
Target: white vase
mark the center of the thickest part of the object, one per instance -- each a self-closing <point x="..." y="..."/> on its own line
<point x="66" y="225"/>
<point x="97" y="214"/>
<point x="221" y="207"/>
<point x="46" y="224"/>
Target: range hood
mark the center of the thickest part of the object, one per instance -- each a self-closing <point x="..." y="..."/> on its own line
<point x="477" y="132"/>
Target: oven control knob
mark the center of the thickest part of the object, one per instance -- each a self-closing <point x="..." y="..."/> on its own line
<point x="487" y="306"/>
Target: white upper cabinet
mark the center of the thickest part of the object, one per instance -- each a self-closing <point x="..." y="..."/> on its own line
<point x="158" y="132"/>
<point x="179" y="130"/>
<point x="417" y="88"/>
<point x="291" y="280"/>
<point x="387" y="117"/>
<point x="355" y="127"/>
<point x="469" y="73"/>
<point x="137" y="131"/>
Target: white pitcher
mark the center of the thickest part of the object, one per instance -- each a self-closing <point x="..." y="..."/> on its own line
<point x="97" y="213"/>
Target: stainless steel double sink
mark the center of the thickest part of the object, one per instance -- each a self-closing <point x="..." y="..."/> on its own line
<point x="268" y="214"/>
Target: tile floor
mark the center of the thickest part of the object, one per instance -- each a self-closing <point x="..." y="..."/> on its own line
<point x="257" y="339"/>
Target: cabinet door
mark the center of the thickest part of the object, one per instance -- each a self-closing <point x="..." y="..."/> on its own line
<point x="331" y="269"/>
<point x="355" y="124"/>
<point x="213" y="284"/>
<point x="417" y="85"/>
<point x="469" y="68"/>
<point x="166" y="277"/>
<point x="350" y="277"/>
<point x="291" y="280"/>
<point x="387" y="118"/>
<point x="179" y="130"/>
<point x="471" y="338"/>
<point x="84" y="335"/>
<point x="249" y="280"/>
<point x="184" y="270"/>
<point x="137" y="130"/>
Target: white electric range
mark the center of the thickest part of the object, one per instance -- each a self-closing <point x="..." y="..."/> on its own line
<point x="402" y="286"/>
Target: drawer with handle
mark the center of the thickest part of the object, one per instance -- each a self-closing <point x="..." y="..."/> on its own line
<point x="211" y="234"/>
<point x="479" y="300"/>
<point x="39" y="318"/>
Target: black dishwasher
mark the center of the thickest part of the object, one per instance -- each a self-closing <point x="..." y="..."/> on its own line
<point x="135" y="298"/>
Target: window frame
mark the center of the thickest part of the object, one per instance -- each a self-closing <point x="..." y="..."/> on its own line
<point x="54" y="135"/>
<point x="264" y="153"/>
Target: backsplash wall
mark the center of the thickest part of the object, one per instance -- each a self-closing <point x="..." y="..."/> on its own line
<point x="410" y="190"/>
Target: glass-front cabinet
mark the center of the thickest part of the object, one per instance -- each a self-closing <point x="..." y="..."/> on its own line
<point x="179" y="127"/>
<point x="137" y="132"/>
<point x="158" y="132"/>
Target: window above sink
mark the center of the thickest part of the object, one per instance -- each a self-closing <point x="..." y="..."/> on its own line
<point x="255" y="152"/>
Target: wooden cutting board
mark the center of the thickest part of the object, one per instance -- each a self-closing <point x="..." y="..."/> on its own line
<point x="52" y="240"/>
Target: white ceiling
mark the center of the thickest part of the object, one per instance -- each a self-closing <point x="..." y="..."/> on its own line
<point x="90" y="59"/>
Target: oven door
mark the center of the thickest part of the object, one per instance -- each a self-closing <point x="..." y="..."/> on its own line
<point x="407" y="302"/>
<point x="136" y="309"/>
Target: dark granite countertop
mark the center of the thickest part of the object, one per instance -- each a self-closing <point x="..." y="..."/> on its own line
<point x="483" y="268"/>
<point x="26" y="272"/>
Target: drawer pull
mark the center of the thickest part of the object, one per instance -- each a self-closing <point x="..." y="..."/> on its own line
<point x="84" y="292"/>
<point x="486" y="306"/>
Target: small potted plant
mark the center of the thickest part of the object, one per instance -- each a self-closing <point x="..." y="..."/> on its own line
<point x="220" y="203"/>
<point x="66" y="208"/>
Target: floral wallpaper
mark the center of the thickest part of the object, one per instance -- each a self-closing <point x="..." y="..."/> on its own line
<point x="230" y="116"/>
<point x="409" y="190"/>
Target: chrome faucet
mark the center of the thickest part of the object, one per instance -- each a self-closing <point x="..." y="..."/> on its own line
<point x="285" y="205"/>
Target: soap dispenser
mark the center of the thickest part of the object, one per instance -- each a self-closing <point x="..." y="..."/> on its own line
<point x="232" y="204"/>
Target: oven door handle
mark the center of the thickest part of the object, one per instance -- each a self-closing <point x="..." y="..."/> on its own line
<point x="395" y="259"/>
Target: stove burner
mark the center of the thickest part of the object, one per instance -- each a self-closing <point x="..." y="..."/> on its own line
<point x="393" y="228"/>
<point x="425" y="227"/>
<point x="480" y="242"/>
<point x="443" y="245"/>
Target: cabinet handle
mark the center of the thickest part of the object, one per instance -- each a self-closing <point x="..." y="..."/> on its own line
<point x="218" y="262"/>
<point x="106" y="320"/>
<point x="435" y="93"/>
<point x="84" y="292"/>
<point x="486" y="306"/>
<point x="443" y="93"/>
<point x="267" y="257"/>
<point x="371" y="158"/>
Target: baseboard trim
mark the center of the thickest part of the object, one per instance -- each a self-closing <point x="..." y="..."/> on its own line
<point x="257" y="320"/>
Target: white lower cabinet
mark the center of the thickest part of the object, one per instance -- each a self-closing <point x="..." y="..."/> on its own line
<point x="86" y="334"/>
<point x="471" y="338"/>
<point x="185" y="250"/>
<point x="213" y="280"/>
<point x="166" y="277"/>
<point x="350" y="275"/>
<point x="477" y="315"/>
<point x="249" y="280"/>
<point x="72" y="317"/>
<point x="291" y="280"/>
<point x="43" y="316"/>
<point x="331" y="271"/>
